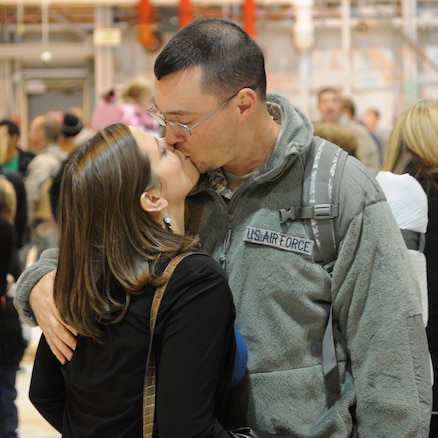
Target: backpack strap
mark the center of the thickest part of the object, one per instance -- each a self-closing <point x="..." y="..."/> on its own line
<point x="323" y="175"/>
<point x="414" y="240"/>
<point x="320" y="205"/>
<point x="320" y="200"/>
<point x="321" y="187"/>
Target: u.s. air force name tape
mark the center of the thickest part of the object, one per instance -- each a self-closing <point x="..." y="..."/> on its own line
<point x="278" y="240"/>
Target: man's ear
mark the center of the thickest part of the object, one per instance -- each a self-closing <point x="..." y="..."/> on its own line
<point x="247" y="98"/>
<point x="151" y="202"/>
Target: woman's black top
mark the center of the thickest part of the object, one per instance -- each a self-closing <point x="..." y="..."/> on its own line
<point x="431" y="253"/>
<point x="99" y="393"/>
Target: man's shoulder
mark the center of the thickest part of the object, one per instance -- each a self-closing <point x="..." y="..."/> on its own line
<point x="56" y="150"/>
<point x="348" y="184"/>
<point x="359" y="190"/>
<point x="353" y="178"/>
<point x="52" y="154"/>
<point x="361" y="180"/>
<point x="13" y="177"/>
<point x="24" y="157"/>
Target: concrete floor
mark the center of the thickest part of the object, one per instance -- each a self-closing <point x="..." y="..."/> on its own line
<point x="31" y="423"/>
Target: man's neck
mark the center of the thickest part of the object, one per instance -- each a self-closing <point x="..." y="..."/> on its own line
<point x="12" y="164"/>
<point x="257" y="156"/>
<point x="12" y="153"/>
<point x="67" y="145"/>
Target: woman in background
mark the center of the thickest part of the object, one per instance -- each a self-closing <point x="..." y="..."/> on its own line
<point x="413" y="149"/>
<point x="134" y="102"/>
<point x="129" y="105"/>
<point x="12" y="344"/>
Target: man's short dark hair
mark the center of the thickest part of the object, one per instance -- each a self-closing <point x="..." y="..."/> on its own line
<point x="13" y="128"/>
<point x="51" y="129"/>
<point x="348" y="104"/>
<point x="229" y="58"/>
<point x="323" y="90"/>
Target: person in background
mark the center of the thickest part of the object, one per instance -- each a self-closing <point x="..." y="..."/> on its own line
<point x="343" y="136"/>
<point x="413" y="149"/>
<point x="44" y="130"/>
<point x="251" y="148"/>
<point x="12" y="344"/>
<point x="331" y="110"/>
<point x="127" y="104"/>
<point x="123" y="199"/>
<point x="16" y="159"/>
<point x="8" y="209"/>
<point x="349" y="109"/>
<point x="16" y="179"/>
<point x="86" y="131"/>
<point x="71" y="126"/>
<point x="8" y="200"/>
<point x="134" y="102"/>
<point x="408" y="202"/>
<point x="44" y="133"/>
<point x="107" y="111"/>
<point x="371" y="120"/>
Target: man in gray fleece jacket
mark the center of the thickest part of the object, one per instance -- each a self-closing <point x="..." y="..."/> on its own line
<point x="210" y="92"/>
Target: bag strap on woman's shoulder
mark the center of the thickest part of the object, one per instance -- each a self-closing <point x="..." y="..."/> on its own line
<point x="159" y="292"/>
<point x="149" y="382"/>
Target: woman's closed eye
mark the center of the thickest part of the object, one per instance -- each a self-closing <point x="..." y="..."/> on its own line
<point x="163" y="146"/>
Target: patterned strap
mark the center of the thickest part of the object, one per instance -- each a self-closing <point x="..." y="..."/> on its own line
<point x="149" y="381"/>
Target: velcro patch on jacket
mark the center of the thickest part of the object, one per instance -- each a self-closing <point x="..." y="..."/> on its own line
<point x="278" y="240"/>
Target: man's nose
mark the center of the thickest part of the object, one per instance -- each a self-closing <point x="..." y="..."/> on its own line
<point x="164" y="143"/>
<point x="172" y="138"/>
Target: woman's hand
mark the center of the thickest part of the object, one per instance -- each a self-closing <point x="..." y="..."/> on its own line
<point x="60" y="337"/>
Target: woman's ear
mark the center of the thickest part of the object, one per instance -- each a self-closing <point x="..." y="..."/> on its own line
<point x="152" y="202"/>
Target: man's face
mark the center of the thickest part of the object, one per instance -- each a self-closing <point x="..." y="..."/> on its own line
<point x="4" y="144"/>
<point x="370" y="120"/>
<point x="330" y="107"/>
<point x="179" y="98"/>
<point x="36" y="135"/>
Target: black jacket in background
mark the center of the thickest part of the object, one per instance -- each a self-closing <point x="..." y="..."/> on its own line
<point x="12" y="344"/>
<point x="21" y="223"/>
<point x="431" y="253"/>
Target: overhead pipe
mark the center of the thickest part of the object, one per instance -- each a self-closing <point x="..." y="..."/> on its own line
<point x="185" y="13"/>
<point x="46" y="55"/>
<point x="20" y="19"/>
<point x="149" y="37"/>
<point x="249" y="17"/>
<point x="303" y="29"/>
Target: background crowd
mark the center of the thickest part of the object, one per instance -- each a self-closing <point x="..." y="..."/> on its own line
<point x="403" y="160"/>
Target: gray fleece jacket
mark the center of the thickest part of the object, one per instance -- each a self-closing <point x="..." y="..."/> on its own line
<point x="283" y="299"/>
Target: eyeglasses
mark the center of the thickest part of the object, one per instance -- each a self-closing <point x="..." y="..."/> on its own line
<point x="182" y="128"/>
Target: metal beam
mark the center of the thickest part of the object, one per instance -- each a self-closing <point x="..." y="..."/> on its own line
<point x="67" y="74"/>
<point x="70" y="2"/>
<point x="59" y="51"/>
<point x="60" y="18"/>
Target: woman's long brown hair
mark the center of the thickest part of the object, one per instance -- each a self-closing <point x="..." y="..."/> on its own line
<point x="108" y="246"/>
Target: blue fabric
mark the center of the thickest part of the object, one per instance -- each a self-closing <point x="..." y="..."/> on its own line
<point x="241" y="358"/>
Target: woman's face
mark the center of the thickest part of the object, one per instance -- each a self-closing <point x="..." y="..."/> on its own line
<point x="4" y="143"/>
<point x="176" y="173"/>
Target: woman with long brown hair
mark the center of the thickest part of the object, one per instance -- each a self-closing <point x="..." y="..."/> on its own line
<point x="121" y="220"/>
